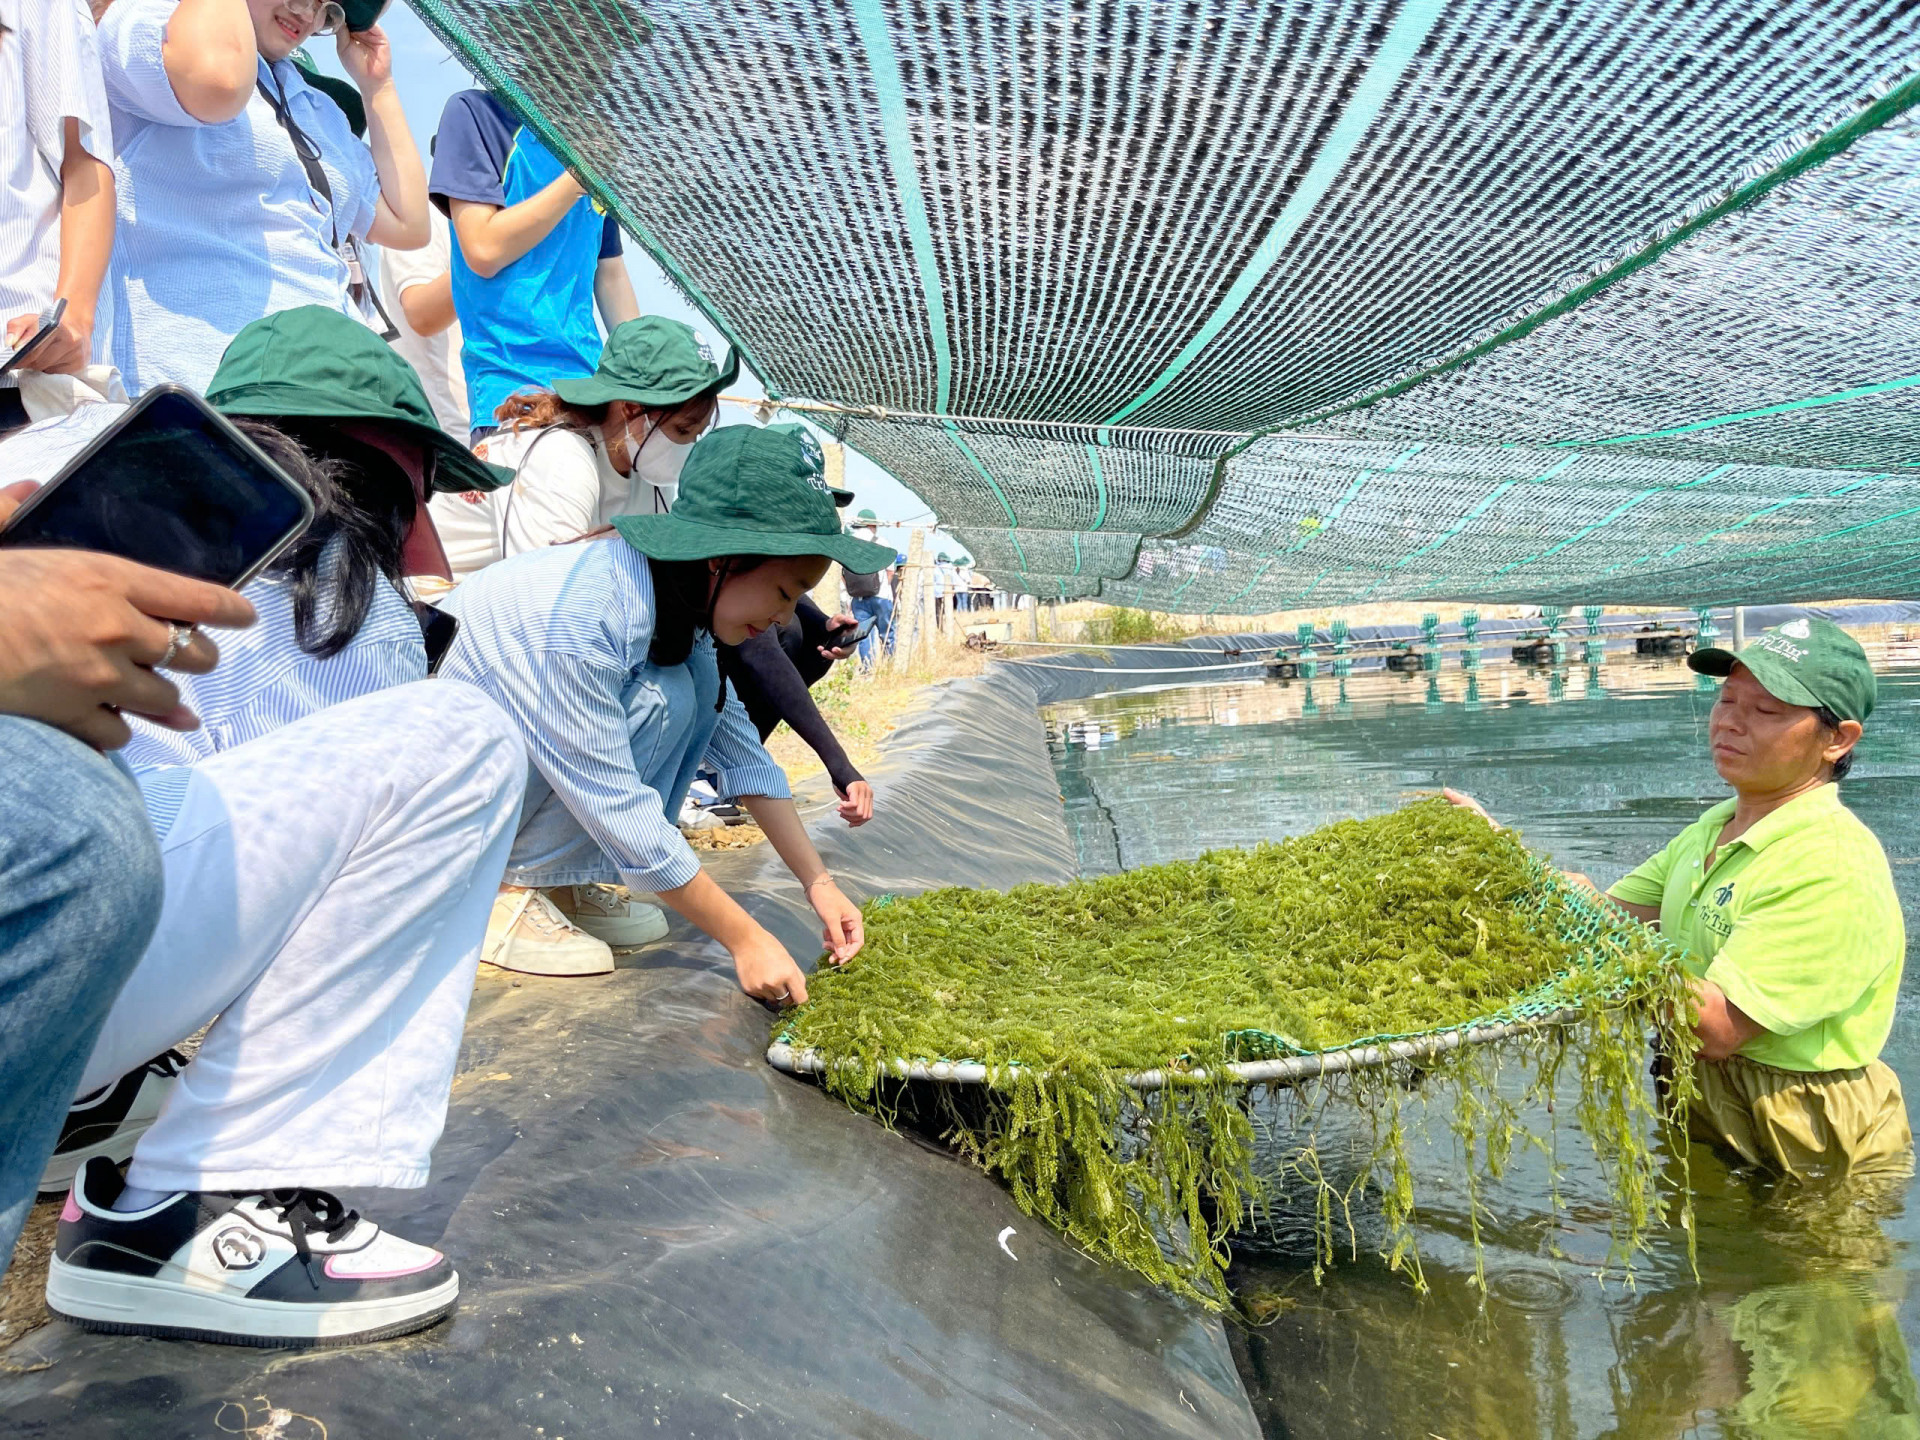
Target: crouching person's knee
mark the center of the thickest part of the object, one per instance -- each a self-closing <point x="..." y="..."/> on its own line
<point x="80" y="871"/>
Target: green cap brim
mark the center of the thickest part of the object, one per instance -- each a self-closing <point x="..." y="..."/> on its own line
<point x="1776" y="677"/>
<point x="595" y="390"/>
<point x="456" y="469"/>
<point x="670" y="537"/>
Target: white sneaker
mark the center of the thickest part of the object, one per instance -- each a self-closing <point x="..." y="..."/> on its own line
<point x="608" y="913"/>
<point x="110" y="1121"/>
<point x="286" y="1268"/>
<point x="527" y="934"/>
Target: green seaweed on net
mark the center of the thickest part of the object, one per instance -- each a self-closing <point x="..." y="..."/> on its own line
<point x="1408" y="925"/>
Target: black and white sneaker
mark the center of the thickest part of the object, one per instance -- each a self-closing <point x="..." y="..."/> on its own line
<point x="110" y="1121"/>
<point x="283" y="1268"/>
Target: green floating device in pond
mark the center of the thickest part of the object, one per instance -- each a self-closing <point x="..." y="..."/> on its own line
<point x="1414" y="924"/>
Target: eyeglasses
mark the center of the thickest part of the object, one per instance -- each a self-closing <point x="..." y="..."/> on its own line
<point x="332" y="15"/>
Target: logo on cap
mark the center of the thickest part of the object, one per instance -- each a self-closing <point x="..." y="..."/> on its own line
<point x="1796" y="629"/>
<point x="706" y="350"/>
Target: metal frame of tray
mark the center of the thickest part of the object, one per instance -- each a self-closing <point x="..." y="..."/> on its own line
<point x="1281" y="1070"/>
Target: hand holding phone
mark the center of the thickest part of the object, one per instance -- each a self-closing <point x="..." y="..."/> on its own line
<point x="35" y="337"/>
<point x="79" y="639"/>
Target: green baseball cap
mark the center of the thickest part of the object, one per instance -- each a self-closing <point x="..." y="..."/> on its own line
<point x="650" y="361"/>
<point x="752" y="491"/>
<point x="1803" y="662"/>
<point x="362" y="14"/>
<point x="314" y="363"/>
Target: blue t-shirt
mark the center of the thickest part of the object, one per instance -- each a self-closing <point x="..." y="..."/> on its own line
<point x="532" y="323"/>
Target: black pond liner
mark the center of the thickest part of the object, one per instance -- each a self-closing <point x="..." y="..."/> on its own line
<point x="651" y="1223"/>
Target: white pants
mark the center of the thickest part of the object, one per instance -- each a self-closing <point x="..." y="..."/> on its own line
<point x="327" y="892"/>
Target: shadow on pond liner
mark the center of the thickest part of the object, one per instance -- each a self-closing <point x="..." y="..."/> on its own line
<point x="659" y="1235"/>
<point x="1095" y="1043"/>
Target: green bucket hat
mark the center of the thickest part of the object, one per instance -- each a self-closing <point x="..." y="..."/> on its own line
<point x="317" y="363"/>
<point x="1803" y="662"/>
<point x="752" y="491"/>
<point x="650" y="361"/>
<point x="868" y="515"/>
<point x="335" y="89"/>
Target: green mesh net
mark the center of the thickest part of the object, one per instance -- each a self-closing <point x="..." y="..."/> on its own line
<point x="1299" y="303"/>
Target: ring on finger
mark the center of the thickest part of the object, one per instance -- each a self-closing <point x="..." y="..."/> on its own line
<point x="178" y="638"/>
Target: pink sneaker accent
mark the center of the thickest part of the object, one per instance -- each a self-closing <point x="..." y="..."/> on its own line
<point x="427" y="1264"/>
<point x="70" y="1212"/>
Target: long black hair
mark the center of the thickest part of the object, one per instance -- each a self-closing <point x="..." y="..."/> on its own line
<point x="684" y="595"/>
<point x="361" y="496"/>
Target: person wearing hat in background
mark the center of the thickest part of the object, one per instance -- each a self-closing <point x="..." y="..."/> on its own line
<point x="1785" y="906"/>
<point x="603" y="652"/>
<point x="870" y="597"/>
<point x="533" y="256"/>
<point x="347" y="418"/>
<point x="592" y="447"/>
<point x="241" y="188"/>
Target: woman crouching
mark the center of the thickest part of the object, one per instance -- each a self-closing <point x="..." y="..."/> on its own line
<point x="602" y="651"/>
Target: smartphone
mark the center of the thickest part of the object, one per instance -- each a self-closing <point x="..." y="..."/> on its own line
<point x="174" y="485"/>
<point x="842" y="639"/>
<point x="437" y="629"/>
<point x="49" y="321"/>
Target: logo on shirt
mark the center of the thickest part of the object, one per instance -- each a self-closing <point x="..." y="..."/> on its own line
<point x="1723" y="894"/>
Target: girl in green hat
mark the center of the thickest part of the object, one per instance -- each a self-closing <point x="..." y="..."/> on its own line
<point x="348" y="419"/>
<point x="589" y="449"/>
<point x="603" y="652"/>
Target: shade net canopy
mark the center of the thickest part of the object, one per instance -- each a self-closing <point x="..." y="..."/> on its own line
<point x="1229" y="306"/>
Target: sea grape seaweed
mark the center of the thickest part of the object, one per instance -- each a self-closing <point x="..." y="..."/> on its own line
<point x="1412" y="923"/>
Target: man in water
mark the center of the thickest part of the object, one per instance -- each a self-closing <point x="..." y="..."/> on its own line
<point x="1785" y="905"/>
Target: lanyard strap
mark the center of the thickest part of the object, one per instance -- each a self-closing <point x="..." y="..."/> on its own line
<point x="308" y="153"/>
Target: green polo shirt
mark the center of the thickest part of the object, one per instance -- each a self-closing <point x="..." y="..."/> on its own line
<point x="1797" y="921"/>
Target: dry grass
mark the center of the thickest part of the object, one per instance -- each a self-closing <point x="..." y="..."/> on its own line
<point x="23" y="1294"/>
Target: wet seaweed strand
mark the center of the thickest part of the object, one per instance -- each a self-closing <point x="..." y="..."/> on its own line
<point x="1409" y="923"/>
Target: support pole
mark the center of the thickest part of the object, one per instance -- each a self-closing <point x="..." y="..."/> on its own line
<point x="1739" y="626"/>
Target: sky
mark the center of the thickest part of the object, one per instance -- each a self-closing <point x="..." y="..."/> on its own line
<point x="426" y="74"/>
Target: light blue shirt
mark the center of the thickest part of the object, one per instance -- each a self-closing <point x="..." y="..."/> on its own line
<point x="559" y="637"/>
<point x="265" y="680"/>
<point x="217" y="224"/>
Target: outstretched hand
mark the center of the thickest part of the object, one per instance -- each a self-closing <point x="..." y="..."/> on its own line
<point x="1467" y="802"/>
<point x="845" y="930"/>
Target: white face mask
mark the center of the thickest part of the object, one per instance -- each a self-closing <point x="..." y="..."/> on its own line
<point x="657" y="463"/>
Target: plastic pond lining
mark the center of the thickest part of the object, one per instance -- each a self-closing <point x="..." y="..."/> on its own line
<point x="658" y="1234"/>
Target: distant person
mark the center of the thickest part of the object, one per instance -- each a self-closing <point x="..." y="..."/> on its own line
<point x="532" y="257"/>
<point x="242" y="189"/>
<point x="592" y="447"/>
<point x="870" y="597"/>
<point x="416" y="290"/>
<point x="1785" y="906"/>
<point x="56" y="205"/>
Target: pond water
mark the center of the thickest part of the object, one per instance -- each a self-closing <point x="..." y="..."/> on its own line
<point x="1804" y="1318"/>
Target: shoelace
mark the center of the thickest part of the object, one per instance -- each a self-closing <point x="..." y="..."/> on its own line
<point x="306" y="1212"/>
<point x="545" y="917"/>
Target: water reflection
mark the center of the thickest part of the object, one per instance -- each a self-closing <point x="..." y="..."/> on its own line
<point x="1803" y="1320"/>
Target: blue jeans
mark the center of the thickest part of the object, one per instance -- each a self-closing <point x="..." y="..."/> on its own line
<point x="80" y="889"/>
<point x="881" y="609"/>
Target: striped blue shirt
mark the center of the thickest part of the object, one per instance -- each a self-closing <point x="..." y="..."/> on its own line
<point x="265" y="680"/>
<point x="217" y="224"/>
<point x="559" y="637"/>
